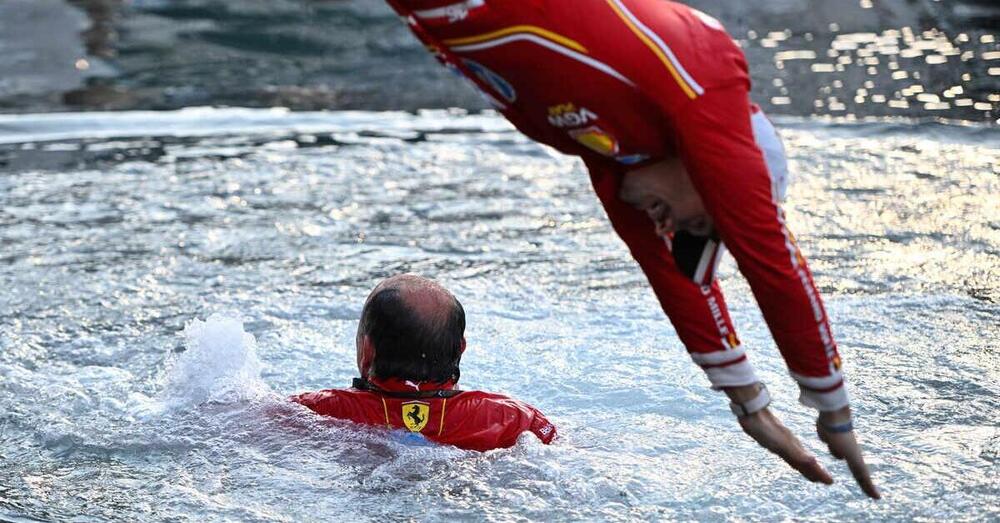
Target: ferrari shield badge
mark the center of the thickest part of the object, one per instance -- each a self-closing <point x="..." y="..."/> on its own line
<point x="415" y="415"/>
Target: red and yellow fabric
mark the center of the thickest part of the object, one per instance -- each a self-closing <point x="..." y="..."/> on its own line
<point x="652" y="79"/>
<point x="471" y="420"/>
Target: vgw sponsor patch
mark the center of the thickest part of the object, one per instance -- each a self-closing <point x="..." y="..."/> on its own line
<point x="567" y="115"/>
<point x="572" y="117"/>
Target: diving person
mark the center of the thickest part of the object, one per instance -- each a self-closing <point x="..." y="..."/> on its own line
<point x="627" y="85"/>
<point x="410" y="342"/>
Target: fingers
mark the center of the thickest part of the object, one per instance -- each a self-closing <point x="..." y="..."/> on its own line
<point x="845" y="447"/>
<point x="809" y="467"/>
<point x="862" y="476"/>
<point x="856" y="462"/>
<point x="804" y="462"/>
<point x="768" y="431"/>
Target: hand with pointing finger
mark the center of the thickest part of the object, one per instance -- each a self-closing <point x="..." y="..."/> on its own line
<point x="837" y="431"/>
<point x="834" y="429"/>
<point x="767" y="430"/>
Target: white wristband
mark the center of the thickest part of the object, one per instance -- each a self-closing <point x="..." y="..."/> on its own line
<point x="742" y="410"/>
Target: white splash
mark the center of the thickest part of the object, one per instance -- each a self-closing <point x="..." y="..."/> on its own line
<point x="219" y="365"/>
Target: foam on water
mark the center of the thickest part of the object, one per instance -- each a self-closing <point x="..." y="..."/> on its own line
<point x="220" y="364"/>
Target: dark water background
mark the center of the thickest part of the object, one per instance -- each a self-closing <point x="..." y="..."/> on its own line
<point x="916" y="58"/>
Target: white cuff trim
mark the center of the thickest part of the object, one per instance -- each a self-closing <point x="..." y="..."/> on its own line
<point x="819" y="383"/>
<point x="718" y="357"/>
<point x="759" y="403"/>
<point x="824" y="401"/>
<point x="735" y="375"/>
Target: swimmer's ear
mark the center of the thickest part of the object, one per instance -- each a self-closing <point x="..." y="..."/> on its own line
<point x="463" y="346"/>
<point x="366" y="355"/>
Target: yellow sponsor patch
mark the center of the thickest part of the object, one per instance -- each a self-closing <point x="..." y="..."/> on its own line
<point x="415" y="415"/>
<point x="558" y="109"/>
<point x="597" y="140"/>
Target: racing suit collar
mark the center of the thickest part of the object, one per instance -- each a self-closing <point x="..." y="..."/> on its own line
<point x="400" y="385"/>
<point x="397" y="388"/>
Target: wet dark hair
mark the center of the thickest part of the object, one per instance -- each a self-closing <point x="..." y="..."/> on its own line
<point x="411" y="347"/>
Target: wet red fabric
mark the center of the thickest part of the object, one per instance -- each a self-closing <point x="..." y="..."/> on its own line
<point x="623" y="83"/>
<point x="470" y="420"/>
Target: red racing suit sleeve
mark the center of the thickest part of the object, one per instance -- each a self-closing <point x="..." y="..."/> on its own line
<point x="697" y="312"/>
<point x="324" y="402"/>
<point x="491" y="421"/>
<point x="686" y="63"/>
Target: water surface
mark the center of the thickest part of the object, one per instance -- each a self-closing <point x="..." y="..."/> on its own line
<point x="119" y="231"/>
<point x="846" y="58"/>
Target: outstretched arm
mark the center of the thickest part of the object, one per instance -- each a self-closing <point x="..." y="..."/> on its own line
<point x="702" y="322"/>
<point x="729" y="173"/>
<point x="688" y="65"/>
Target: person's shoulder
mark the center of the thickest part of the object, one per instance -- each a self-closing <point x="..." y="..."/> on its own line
<point x="480" y="396"/>
<point x="328" y="400"/>
<point x="490" y="403"/>
<point x="315" y="395"/>
<point x="515" y="414"/>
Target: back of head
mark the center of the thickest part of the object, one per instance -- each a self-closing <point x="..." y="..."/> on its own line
<point x="416" y="329"/>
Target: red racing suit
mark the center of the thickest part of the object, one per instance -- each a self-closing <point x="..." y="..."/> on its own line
<point x="470" y="420"/>
<point x="622" y="83"/>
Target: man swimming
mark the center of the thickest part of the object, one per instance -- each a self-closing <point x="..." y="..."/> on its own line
<point x="629" y="86"/>
<point x="410" y="342"/>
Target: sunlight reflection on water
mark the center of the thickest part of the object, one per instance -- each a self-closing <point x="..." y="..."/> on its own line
<point x="113" y="245"/>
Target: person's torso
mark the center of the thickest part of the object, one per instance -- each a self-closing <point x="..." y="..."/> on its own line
<point x="554" y="80"/>
<point x="468" y="419"/>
